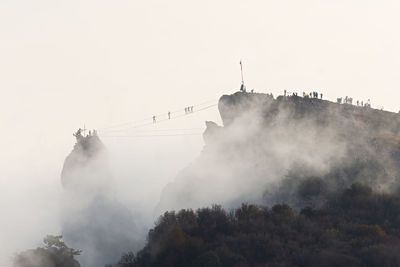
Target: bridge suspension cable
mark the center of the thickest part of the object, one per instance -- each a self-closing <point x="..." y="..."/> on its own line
<point x="141" y="122"/>
<point x="151" y="135"/>
<point x="121" y="128"/>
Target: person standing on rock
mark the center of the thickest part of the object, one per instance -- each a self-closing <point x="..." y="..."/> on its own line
<point x="78" y="133"/>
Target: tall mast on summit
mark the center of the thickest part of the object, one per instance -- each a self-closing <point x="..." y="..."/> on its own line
<point x="242" y="87"/>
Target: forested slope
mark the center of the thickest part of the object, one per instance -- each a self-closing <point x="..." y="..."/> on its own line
<point x="356" y="228"/>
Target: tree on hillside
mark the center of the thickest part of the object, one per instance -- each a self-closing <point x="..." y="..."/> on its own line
<point x="55" y="253"/>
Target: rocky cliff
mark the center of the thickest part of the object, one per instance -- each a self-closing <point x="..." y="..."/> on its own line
<point x="93" y="219"/>
<point x="295" y="150"/>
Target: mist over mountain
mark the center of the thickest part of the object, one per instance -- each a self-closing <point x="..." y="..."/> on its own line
<point x="304" y="152"/>
<point x="291" y="150"/>
<point x="335" y="167"/>
<point x="93" y="219"/>
<point x="113" y="65"/>
<point x="286" y="181"/>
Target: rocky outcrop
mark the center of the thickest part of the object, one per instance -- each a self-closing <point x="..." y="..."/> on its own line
<point x="93" y="219"/>
<point x="86" y="168"/>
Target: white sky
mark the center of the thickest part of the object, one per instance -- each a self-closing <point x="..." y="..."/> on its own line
<point x="66" y="63"/>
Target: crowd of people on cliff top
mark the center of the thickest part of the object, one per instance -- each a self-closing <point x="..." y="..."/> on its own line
<point x="341" y="100"/>
<point x="305" y="95"/>
<point x="315" y="94"/>
<point x="349" y="100"/>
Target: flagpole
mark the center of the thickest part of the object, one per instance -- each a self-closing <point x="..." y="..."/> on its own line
<point x="241" y="71"/>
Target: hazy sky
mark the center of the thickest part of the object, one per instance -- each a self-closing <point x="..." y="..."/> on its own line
<point x="66" y="63"/>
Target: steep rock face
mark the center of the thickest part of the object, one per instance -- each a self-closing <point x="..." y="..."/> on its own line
<point x="93" y="219"/>
<point x="290" y="149"/>
<point x="85" y="169"/>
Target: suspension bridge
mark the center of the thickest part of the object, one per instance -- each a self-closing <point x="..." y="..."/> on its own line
<point x="139" y="128"/>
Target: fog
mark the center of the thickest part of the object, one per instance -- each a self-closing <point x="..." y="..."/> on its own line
<point x="287" y="151"/>
<point x="100" y="63"/>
